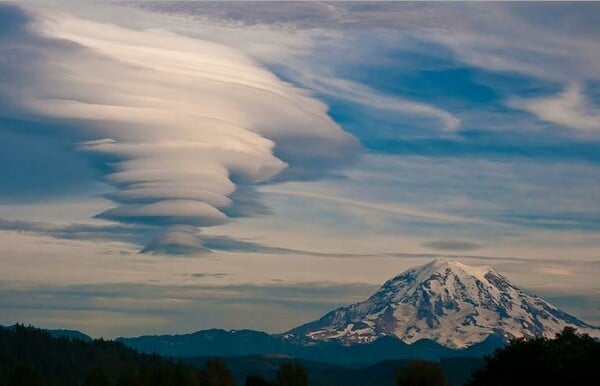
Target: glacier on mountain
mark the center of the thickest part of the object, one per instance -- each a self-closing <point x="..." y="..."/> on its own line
<point x="447" y="302"/>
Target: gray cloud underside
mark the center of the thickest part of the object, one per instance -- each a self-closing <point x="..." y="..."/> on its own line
<point x="183" y="240"/>
<point x="369" y="14"/>
<point x="511" y="260"/>
<point x="177" y="240"/>
<point x="502" y="32"/>
<point x="206" y="243"/>
<point x="92" y="232"/>
<point x="216" y="275"/>
<point x="195" y="241"/>
<point x="452" y="245"/>
<point x="288" y="304"/>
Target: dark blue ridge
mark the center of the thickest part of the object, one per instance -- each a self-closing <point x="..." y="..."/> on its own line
<point x="224" y="343"/>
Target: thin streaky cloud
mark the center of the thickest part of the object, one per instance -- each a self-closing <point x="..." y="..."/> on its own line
<point x="390" y="209"/>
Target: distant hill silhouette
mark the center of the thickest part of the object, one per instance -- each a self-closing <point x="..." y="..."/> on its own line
<point x="568" y="359"/>
<point x="247" y="342"/>
<point x="33" y="357"/>
<point x="60" y="333"/>
<point x="71" y="334"/>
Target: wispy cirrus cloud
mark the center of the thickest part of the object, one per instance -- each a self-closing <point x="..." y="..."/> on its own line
<point x="452" y="245"/>
<point x="570" y="108"/>
<point x="299" y="41"/>
<point x="362" y="94"/>
<point x="79" y="231"/>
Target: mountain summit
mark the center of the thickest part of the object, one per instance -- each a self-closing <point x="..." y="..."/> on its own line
<point x="447" y="302"/>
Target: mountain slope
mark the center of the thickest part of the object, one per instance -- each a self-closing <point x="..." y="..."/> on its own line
<point x="447" y="302"/>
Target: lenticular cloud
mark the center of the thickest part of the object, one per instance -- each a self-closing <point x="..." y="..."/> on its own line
<point x="183" y="124"/>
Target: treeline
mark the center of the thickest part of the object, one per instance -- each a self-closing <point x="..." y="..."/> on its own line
<point x="568" y="359"/>
<point x="32" y="357"/>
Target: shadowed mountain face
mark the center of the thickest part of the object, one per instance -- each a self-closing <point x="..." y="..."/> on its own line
<point x="446" y="302"/>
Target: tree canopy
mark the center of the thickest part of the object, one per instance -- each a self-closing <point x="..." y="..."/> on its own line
<point x="421" y="373"/>
<point x="32" y="357"/>
<point x="216" y="373"/>
<point x="568" y="359"/>
<point x="291" y="374"/>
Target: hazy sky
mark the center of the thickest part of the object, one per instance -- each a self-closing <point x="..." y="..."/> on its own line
<point x="173" y="166"/>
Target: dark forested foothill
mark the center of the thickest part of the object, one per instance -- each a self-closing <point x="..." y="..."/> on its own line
<point x="288" y="374"/>
<point x="257" y="380"/>
<point x="32" y="357"/>
<point x="421" y="373"/>
<point x="291" y="374"/>
<point x="569" y="359"/>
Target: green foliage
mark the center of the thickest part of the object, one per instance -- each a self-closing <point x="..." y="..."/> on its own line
<point x="421" y="373"/>
<point x="569" y="359"/>
<point x="216" y="373"/>
<point x="31" y="357"/>
<point x="291" y="374"/>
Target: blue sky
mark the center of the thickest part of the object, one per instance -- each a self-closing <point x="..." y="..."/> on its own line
<point x="288" y="158"/>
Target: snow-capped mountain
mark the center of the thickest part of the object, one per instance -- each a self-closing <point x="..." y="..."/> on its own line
<point x="447" y="302"/>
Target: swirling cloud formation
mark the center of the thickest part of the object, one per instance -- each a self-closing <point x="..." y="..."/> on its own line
<point x="185" y="128"/>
